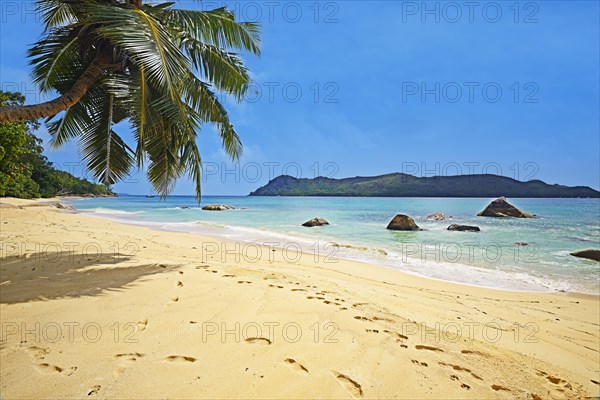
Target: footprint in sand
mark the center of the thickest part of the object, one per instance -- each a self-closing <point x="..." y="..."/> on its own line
<point x="126" y="359"/>
<point x="228" y="276"/>
<point x="259" y="340"/>
<point x="399" y="337"/>
<point x="383" y="319"/>
<point x="128" y="356"/>
<point x="246" y="282"/>
<point x="295" y="365"/>
<point x="276" y="286"/>
<point x="298" y="290"/>
<point x="421" y="347"/>
<point x="48" y="369"/>
<point x="38" y="352"/>
<point x="350" y="384"/>
<point x="179" y="284"/>
<point x="175" y="299"/>
<point x="459" y="368"/>
<point x="478" y="353"/>
<point x="462" y="385"/>
<point x="142" y="325"/>
<point x="180" y="359"/>
<point x="93" y="390"/>
<point x="555" y="380"/>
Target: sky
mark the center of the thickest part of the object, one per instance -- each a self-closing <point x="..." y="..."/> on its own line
<point x="362" y="88"/>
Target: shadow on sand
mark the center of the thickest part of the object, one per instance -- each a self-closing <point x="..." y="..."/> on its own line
<point x="46" y="276"/>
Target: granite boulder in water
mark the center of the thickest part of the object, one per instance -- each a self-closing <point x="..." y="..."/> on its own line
<point x="589" y="254"/>
<point x="217" y="207"/>
<point x="502" y="208"/>
<point x="463" y="228"/>
<point x="403" y="222"/>
<point x="436" y="217"/>
<point x="315" y="222"/>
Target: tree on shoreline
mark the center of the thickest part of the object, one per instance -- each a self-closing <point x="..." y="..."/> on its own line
<point x="25" y="172"/>
<point x="152" y="65"/>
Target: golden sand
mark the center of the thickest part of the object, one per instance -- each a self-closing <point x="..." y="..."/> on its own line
<point x="91" y="308"/>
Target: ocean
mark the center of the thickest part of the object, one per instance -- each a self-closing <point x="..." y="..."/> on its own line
<point x="357" y="231"/>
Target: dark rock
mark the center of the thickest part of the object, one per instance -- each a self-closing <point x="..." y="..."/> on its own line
<point x="64" y="206"/>
<point x="502" y="208"/>
<point x="315" y="222"/>
<point x="217" y="207"/>
<point x="590" y="254"/>
<point x="521" y="244"/>
<point x="463" y="228"/>
<point x="403" y="222"/>
<point x="436" y="217"/>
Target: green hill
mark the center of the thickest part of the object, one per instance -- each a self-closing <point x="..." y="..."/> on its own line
<point x="403" y="185"/>
<point x="25" y="172"/>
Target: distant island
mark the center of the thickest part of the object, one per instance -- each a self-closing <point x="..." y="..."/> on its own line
<point x="404" y="185"/>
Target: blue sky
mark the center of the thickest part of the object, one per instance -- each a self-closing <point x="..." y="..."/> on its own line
<point x="346" y="88"/>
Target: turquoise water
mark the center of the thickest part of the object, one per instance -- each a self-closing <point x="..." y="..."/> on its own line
<point x="488" y="258"/>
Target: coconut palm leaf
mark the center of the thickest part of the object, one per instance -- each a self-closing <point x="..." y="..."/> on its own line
<point x="56" y="59"/>
<point x="155" y="66"/>
<point x="108" y="157"/>
<point x="55" y="12"/>
<point x="223" y="69"/>
<point x="217" y="27"/>
<point x="143" y="39"/>
<point x="206" y="104"/>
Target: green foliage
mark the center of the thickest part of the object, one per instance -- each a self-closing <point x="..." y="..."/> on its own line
<point x="403" y="185"/>
<point x="24" y="171"/>
<point x="164" y="66"/>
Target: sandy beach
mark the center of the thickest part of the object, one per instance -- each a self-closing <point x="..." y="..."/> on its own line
<point x="92" y="308"/>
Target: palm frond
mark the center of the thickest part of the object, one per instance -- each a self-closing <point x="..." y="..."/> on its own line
<point x="193" y="161"/>
<point x="205" y="103"/>
<point x="143" y="39"/>
<point x="148" y="59"/>
<point x="75" y="121"/>
<point x="142" y="117"/>
<point x="164" y="166"/>
<point x="107" y="155"/>
<point x="55" y="12"/>
<point x="223" y="69"/>
<point x="56" y="60"/>
<point x="217" y="27"/>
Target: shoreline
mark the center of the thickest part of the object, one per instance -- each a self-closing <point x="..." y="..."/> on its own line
<point x="520" y="285"/>
<point x="153" y="225"/>
<point x="169" y="293"/>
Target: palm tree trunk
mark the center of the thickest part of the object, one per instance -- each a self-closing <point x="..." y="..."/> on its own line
<point x="53" y="107"/>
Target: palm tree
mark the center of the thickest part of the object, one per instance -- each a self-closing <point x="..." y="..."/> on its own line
<point x="152" y="65"/>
